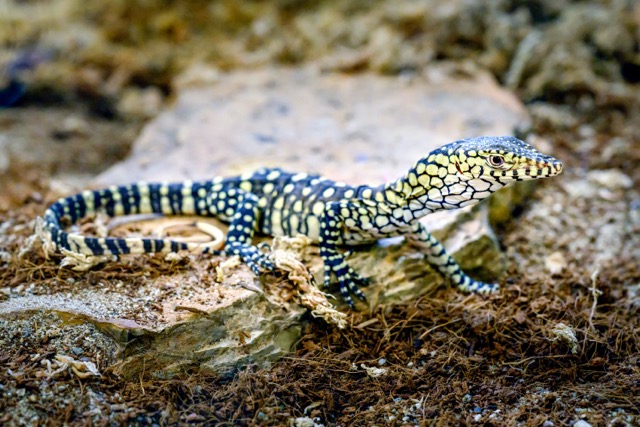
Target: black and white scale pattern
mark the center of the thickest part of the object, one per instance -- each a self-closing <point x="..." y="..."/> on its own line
<point x="275" y="202"/>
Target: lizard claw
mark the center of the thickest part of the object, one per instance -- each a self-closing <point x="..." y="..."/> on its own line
<point x="348" y="283"/>
<point x="251" y="256"/>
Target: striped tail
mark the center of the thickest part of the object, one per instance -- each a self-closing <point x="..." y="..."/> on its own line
<point x="184" y="198"/>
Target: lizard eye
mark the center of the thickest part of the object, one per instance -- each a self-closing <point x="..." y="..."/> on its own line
<point x="495" y="161"/>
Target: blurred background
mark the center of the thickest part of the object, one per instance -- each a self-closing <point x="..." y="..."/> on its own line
<point x="80" y="79"/>
<point x="100" y="69"/>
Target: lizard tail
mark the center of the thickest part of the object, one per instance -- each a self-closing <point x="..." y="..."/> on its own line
<point x="169" y="199"/>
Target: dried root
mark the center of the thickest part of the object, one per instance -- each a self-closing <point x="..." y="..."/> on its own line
<point x="285" y="256"/>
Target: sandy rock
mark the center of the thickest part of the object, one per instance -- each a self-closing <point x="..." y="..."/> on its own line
<point x="197" y="326"/>
<point x="364" y="129"/>
<point x="347" y="128"/>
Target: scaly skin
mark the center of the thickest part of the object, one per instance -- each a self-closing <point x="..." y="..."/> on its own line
<point x="274" y="202"/>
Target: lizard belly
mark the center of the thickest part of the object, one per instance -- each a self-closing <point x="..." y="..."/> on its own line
<point x="361" y="237"/>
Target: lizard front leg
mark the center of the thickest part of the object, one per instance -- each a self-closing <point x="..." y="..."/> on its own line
<point x="331" y="226"/>
<point x="438" y="257"/>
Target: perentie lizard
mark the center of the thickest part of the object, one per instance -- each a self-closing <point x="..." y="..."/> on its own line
<point x="275" y="202"/>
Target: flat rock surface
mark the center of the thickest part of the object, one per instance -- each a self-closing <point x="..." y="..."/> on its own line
<point x="364" y="129"/>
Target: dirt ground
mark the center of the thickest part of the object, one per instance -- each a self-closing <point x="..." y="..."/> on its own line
<point x="557" y="345"/>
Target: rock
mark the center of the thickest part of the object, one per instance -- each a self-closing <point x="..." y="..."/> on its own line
<point x="364" y="129"/>
<point x="555" y="263"/>
<point x="215" y="329"/>
<point x="348" y="128"/>
<point x="605" y="183"/>
<point x="611" y="179"/>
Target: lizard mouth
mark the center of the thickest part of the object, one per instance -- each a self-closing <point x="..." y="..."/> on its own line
<point x="461" y="174"/>
<point x="458" y="167"/>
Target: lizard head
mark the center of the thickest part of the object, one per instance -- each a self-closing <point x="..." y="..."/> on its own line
<point x="466" y="171"/>
<point x="501" y="159"/>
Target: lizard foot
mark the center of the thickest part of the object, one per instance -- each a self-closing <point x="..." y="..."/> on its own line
<point x="348" y="282"/>
<point x="251" y="256"/>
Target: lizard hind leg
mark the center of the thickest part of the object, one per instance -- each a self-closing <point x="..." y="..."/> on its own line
<point x="241" y="229"/>
<point x="348" y="280"/>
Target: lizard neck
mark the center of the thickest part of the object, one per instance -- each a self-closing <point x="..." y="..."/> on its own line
<point x="413" y="185"/>
<point x="433" y="183"/>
